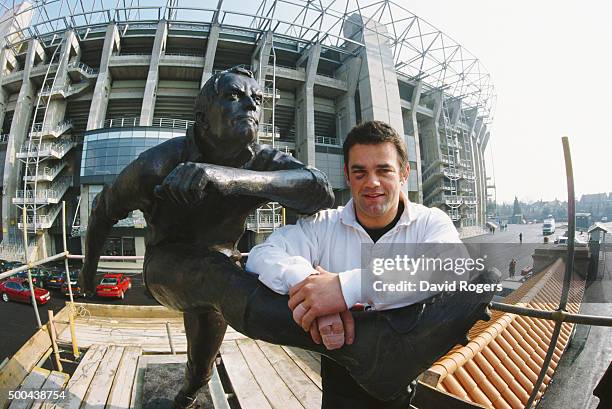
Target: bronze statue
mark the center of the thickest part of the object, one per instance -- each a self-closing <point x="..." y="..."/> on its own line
<point x="196" y="193"/>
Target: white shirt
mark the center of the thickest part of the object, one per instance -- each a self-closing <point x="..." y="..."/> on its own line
<point x="332" y="239"/>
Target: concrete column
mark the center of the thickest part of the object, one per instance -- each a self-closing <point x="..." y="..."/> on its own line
<point x="261" y="57"/>
<point x="305" y="126"/>
<point x="346" y="102"/>
<point x="378" y="87"/>
<point x="483" y="181"/>
<point x="437" y="111"/>
<point x="454" y="108"/>
<point x="99" y="102"/>
<point x="150" y="94"/>
<point x="18" y="133"/>
<point x="211" y="50"/>
<point x="416" y="98"/>
<point x="8" y="64"/>
<point x="5" y="53"/>
<point x="57" y="107"/>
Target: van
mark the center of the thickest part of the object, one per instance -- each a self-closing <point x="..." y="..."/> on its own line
<point x="548" y="227"/>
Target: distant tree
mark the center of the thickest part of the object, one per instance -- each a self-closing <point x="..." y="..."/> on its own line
<point x="516" y="207"/>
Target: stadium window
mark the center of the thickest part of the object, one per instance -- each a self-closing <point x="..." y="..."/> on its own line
<point x="120" y="246"/>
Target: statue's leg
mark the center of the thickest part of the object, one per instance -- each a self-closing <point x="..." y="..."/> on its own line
<point x="391" y="347"/>
<point x="205" y="332"/>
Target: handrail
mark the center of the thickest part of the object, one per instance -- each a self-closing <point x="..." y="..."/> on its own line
<point x="39" y="126"/>
<point x="82" y="66"/>
<point x="55" y="191"/>
<point x="327" y="140"/>
<point x="58" y="146"/>
<point x="130" y="122"/>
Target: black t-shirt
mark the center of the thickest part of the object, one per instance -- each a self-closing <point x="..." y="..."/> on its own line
<point x="376" y="234"/>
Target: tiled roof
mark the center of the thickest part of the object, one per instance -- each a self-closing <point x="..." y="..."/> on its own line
<point x="500" y="364"/>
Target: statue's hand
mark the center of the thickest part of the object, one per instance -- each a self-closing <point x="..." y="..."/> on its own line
<point x="186" y="184"/>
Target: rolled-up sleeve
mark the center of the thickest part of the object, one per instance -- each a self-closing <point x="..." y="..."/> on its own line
<point x="282" y="261"/>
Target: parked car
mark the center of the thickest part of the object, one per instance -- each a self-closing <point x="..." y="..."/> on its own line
<point x="18" y="289"/>
<point x="562" y="241"/>
<point x="38" y="277"/>
<point x="55" y="280"/>
<point x="74" y="283"/>
<point x="114" y="286"/>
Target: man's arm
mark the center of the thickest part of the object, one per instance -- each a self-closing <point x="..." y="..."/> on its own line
<point x="133" y="189"/>
<point x="283" y="262"/>
<point x="286" y="257"/>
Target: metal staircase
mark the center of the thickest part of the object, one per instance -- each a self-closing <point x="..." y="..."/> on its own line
<point x="45" y="180"/>
<point x="268" y="217"/>
<point x="467" y="172"/>
<point x="452" y="172"/>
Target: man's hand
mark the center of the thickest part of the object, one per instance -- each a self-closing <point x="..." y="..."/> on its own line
<point x="334" y="330"/>
<point x="316" y="296"/>
<point x="187" y="183"/>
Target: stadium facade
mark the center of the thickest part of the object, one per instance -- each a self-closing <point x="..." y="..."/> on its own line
<point x="87" y="86"/>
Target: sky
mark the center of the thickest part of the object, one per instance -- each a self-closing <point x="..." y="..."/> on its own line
<point x="551" y="64"/>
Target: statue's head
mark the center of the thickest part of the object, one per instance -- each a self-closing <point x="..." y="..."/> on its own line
<point x="227" y="110"/>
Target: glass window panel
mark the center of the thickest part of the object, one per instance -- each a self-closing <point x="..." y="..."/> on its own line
<point x="110" y="161"/>
<point x="128" y="245"/>
<point x="112" y="246"/>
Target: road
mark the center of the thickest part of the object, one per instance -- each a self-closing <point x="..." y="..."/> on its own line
<point x="19" y="320"/>
<point x="503" y="246"/>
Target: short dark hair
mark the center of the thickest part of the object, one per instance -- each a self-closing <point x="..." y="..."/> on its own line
<point x="211" y="87"/>
<point x="373" y="133"/>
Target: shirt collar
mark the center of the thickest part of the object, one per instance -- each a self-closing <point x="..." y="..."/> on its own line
<point x="348" y="217"/>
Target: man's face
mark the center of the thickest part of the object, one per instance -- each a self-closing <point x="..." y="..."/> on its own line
<point x="375" y="177"/>
<point x="233" y="117"/>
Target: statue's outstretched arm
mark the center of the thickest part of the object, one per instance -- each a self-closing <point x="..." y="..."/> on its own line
<point x="133" y="189"/>
<point x="305" y="190"/>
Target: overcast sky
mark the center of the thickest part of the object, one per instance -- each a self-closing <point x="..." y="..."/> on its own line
<point x="551" y="63"/>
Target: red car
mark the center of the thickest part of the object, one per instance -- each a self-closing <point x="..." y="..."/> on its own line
<point x="17" y="289"/>
<point x="113" y="285"/>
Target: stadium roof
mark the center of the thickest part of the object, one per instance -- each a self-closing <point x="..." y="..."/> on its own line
<point x="421" y="51"/>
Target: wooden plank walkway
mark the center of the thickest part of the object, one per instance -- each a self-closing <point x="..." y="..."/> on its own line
<point x="269" y="376"/>
<point x="39" y="380"/>
<point x="150" y="334"/>
<point x="260" y="375"/>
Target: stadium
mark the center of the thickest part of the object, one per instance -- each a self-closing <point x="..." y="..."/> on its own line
<point x="89" y="85"/>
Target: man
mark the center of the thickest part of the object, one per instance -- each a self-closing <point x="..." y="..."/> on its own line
<point x="196" y="192"/>
<point x="512" y="268"/>
<point x="318" y="260"/>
